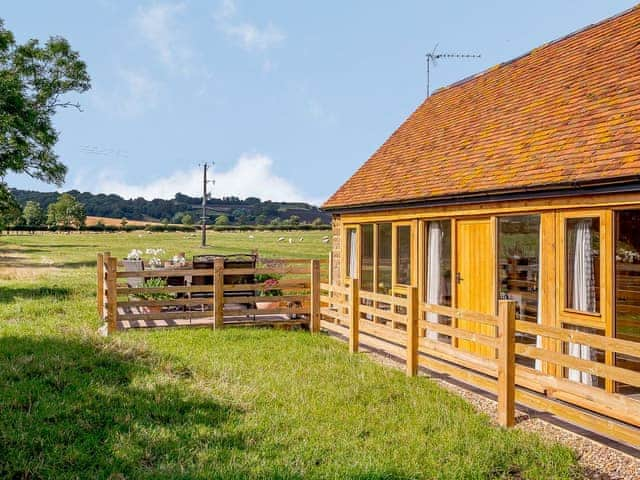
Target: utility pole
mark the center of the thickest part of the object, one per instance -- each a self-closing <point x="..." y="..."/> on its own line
<point x="205" y="166"/>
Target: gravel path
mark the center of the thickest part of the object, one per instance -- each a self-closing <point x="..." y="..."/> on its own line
<point x="598" y="461"/>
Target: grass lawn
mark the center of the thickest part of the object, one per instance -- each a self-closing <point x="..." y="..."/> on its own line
<point x="237" y="403"/>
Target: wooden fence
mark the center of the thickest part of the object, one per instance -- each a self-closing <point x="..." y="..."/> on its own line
<point x="200" y="297"/>
<point x="481" y="350"/>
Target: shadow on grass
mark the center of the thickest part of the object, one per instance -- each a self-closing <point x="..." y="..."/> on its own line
<point x="13" y="294"/>
<point x="73" y="409"/>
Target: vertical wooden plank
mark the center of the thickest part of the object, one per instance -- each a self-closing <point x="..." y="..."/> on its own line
<point x="412" y="331"/>
<point x="330" y="282"/>
<point x="112" y="297"/>
<point x="547" y="279"/>
<point x="607" y="286"/>
<point x="354" y="315"/>
<point x="454" y="268"/>
<point x="506" y="363"/>
<point x="100" y="285"/>
<point x="218" y="293"/>
<point x="314" y="323"/>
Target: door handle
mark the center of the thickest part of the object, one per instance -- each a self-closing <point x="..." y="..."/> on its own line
<point x="459" y="278"/>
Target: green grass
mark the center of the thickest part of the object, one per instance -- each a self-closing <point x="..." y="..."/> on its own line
<point x="237" y="403"/>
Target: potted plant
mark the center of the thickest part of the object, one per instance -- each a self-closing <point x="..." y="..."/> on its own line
<point x="269" y="282"/>
<point x="154" y="282"/>
<point x="133" y="262"/>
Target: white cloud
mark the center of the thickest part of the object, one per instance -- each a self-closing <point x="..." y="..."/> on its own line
<point x="251" y="176"/>
<point x="134" y="93"/>
<point x="158" y="26"/>
<point x="248" y="35"/>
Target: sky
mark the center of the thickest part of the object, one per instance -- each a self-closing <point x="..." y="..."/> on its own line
<point x="288" y="98"/>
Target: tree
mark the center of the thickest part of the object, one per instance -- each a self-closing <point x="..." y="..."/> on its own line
<point x="67" y="211"/>
<point x="165" y="222"/>
<point x="123" y="223"/>
<point x="261" y="219"/>
<point x="317" y="222"/>
<point x="33" y="80"/>
<point x="222" y="220"/>
<point x="294" y="220"/>
<point x="187" y="220"/>
<point x="32" y="214"/>
<point x="276" y="222"/>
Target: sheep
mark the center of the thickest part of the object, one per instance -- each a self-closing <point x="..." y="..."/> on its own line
<point x="281" y="239"/>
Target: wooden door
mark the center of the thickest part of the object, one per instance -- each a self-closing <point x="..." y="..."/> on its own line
<point x="475" y="278"/>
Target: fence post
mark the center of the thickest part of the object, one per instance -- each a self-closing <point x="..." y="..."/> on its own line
<point x="412" y="331"/>
<point x="506" y="363"/>
<point x="100" y="285"/>
<point x="218" y="293"/>
<point x="314" y="324"/>
<point x="354" y="315"/>
<point x="112" y="295"/>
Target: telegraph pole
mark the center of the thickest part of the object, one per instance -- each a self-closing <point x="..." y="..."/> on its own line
<point x="205" y="166"/>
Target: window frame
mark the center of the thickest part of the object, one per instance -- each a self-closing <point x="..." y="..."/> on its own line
<point x="396" y="285"/>
<point x="565" y="314"/>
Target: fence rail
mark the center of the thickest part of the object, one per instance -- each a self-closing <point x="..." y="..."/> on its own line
<point x="216" y="296"/>
<point x="481" y="349"/>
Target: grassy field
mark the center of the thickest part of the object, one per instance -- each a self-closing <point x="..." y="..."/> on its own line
<point x="243" y="403"/>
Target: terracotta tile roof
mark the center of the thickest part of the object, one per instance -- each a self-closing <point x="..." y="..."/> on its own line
<point x="568" y="111"/>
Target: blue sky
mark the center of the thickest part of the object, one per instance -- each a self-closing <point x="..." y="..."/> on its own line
<point x="288" y="98"/>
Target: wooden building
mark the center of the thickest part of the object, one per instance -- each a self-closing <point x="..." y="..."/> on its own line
<point x="521" y="183"/>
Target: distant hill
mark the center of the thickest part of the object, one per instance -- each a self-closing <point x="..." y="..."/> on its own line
<point x="247" y="211"/>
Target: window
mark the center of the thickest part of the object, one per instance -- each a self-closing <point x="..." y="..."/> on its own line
<point x="584" y="352"/>
<point x="582" y="267"/>
<point x="384" y="258"/>
<point x="518" y="271"/>
<point x="438" y="272"/>
<point x="403" y="254"/>
<point x="366" y="257"/>
<point x="627" y="292"/>
<point x="351" y="253"/>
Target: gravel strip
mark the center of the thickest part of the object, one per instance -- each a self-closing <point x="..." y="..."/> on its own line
<point x="598" y="461"/>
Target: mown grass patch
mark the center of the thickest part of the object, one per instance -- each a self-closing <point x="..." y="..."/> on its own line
<point x="237" y="403"/>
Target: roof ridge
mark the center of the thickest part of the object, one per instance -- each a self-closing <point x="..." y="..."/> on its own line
<point x="533" y="50"/>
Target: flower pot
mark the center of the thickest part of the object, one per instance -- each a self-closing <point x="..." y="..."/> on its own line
<point x="154" y="309"/>
<point x="267" y="305"/>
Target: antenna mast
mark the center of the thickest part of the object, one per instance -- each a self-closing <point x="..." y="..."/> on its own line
<point x="432" y="57"/>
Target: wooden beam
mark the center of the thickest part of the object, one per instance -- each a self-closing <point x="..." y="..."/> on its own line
<point x="354" y="315"/>
<point x="412" y="332"/>
<point x="218" y="292"/>
<point x="507" y="364"/>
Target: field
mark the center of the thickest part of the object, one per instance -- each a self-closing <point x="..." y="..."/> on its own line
<point x="116" y="221"/>
<point x="236" y="403"/>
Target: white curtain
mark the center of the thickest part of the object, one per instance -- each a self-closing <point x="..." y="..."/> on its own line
<point x="352" y="253"/>
<point x="434" y="253"/>
<point x="584" y="294"/>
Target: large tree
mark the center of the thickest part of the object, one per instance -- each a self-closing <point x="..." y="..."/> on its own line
<point x="67" y="211"/>
<point x="33" y="81"/>
<point x="32" y="214"/>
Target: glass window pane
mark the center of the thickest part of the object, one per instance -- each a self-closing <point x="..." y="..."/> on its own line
<point x="403" y="255"/>
<point x="627" y="320"/>
<point x="366" y="257"/>
<point x="518" y="261"/>
<point x="438" y="273"/>
<point x="582" y="268"/>
<point x="384" y="258"/>
<point x="351" y="252"/>
<point x="584" y="352"/>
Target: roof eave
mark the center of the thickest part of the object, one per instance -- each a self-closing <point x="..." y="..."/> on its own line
<point x="628" y="184"/>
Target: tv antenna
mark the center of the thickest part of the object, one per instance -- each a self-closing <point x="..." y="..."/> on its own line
<point x="433" y="57"/>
